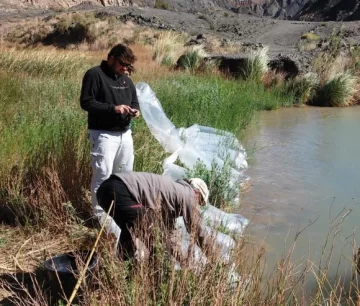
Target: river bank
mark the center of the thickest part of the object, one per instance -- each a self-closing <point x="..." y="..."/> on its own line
<point x="45" y="170"/>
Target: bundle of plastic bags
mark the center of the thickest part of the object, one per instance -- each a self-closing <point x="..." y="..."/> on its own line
<point x="192" y="145"/>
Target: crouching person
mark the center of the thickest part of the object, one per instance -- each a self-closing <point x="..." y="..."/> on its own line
<point x="140" y="198"/>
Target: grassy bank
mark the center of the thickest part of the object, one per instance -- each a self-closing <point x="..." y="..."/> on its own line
<point x="44" y="130"/>
<point x="45" y="173"/>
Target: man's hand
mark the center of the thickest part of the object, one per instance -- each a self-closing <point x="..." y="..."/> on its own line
<point x="127" y="110"/>
<point x="135" y="113"/>
<point x="123" y="109"/>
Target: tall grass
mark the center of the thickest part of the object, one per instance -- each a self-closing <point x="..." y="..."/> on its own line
<point x="337" y="91"/>
<point x="168" y="48"/>
<point x="257" y="64"/>
<point x="45" y="173"/>
<point x="158" y="281"/>
<point x="303" y="87"/>
<point x="213" y="101"/>
<point x="44" y="62"/>
<point x="192" y="59"/>
<point x="44" y="130"/>
<point x="45" y="165"/>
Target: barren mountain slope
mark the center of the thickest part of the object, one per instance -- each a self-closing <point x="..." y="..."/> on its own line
<point x="282" y="36"/>
<point x="316" y="10"/>
<point x="45" y="4"/>
<point x="345" y="10"/>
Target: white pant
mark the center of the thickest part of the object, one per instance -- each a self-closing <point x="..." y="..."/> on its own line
<point x="111" y="152"/>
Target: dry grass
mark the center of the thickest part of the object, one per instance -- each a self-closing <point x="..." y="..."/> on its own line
<point x="338" y="81"/>
<point x="43" y="61"/>
<point x="25" y="252"/>
<point x="271" y="79"/>
<point x="310" y="36"/>
<point x="339" y="90"/>
<point x="146" y="67"/>
<point x="168" y="48"/>
<point x="215" y="45"/>
<point x="48" y="188"/>
<point x="157" y="281"/>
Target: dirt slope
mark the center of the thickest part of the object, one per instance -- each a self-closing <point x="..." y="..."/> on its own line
<point x="282" y="36"/>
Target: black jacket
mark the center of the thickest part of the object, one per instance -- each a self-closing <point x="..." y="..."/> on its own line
<point x="101" y="91"/>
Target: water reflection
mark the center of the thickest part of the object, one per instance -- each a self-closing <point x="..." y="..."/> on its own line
<point x="305" y="167"/>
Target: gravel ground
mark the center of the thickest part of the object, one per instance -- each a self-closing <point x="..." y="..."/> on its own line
<point x="282" y="36"/>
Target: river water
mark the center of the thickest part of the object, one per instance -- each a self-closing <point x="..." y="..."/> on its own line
<point x="305" y="168"/>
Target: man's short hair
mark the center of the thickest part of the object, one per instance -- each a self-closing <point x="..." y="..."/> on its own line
<point x="122" y="52"/>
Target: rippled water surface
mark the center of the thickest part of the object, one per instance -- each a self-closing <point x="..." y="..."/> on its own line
<point x="305" y="167"/>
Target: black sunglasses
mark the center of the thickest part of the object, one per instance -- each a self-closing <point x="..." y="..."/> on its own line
<point x="124" y="64"/>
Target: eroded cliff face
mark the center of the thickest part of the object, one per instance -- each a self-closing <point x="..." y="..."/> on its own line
<point x="336" y="10"/>
<point x="67" y="3"/>
<point x="282" y="9"/>
<point x="312" y="10"/>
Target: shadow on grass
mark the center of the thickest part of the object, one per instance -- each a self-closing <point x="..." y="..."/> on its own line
<point x="26" y="288"/>
<point x="33" y="289"/>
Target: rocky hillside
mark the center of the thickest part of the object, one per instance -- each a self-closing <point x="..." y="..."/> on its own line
<point x="311" y="10"/>
<point x="336" y="10"/>
<point x="281" y="9"/>
<point x="49" y="4"/>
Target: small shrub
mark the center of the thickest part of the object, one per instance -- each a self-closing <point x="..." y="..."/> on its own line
<point x="168" y="46"/>
<point x="303" y="87"/>
<point x="337" y="91"/>
<point x="307" y="45"/>
<point x="355" y="59"/>
<point x="273" y="79"/>
<point x="29" y="35"/>
<point x="161" y="4"/>
<point x="192" y="59"/>
<point x="310" y="36"/>
<point x="257" y="64"/>
<point x="218" y="179"/>
<point x="334" y="47"/>
<point x="167" y="61"/>
<point x="77" y="28"/>
<point x="308" y="41"/>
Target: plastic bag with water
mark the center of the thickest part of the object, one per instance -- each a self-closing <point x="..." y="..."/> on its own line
<point x="193" y="144"/>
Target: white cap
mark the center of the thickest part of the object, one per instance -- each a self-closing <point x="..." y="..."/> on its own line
<point x="200" y="185"/>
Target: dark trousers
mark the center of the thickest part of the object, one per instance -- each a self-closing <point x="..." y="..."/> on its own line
<point x="126" y="211"/>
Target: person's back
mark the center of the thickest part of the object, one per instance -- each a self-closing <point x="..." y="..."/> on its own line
<point x="155" y="191"/>
<point x="138" y="194"/>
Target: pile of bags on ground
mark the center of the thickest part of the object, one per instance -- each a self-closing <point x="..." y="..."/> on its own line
<point x="191" y="145"/>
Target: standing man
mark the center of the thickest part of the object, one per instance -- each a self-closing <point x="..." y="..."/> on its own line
<point x="109" y="97"/>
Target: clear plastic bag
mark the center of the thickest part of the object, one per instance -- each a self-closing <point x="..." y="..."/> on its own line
<point x="193" y="144"/>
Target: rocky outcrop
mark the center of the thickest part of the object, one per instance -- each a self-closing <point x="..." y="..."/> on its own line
<point x="314" y="10"/>
<point x="281" y="9"/>
<point x="325" y="10"/>
<point x="70" y="3"/>
<point x="236" y="66"/>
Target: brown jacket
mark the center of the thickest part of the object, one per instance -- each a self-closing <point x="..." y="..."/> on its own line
<point x="171" y="198"/>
